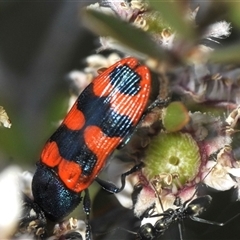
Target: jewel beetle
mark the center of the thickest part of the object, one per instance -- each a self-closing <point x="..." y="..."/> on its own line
<point x="103" y="115"/>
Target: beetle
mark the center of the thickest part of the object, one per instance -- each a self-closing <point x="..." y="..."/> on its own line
<point x="104" y="114"/>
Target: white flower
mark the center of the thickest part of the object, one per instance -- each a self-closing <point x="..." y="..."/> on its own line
<point x="10" y="201"/>
<point x="218" y="30"/>
<point x="25" y="181"/>
<point x="220" y="174"/>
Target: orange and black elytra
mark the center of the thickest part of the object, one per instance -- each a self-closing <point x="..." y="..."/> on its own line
<point x="105" y="112"/>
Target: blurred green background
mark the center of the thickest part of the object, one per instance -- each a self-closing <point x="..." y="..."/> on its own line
<point x="40" y="42"/>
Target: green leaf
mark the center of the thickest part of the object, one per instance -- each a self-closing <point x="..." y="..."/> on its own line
<point x="128" y="35"/>
<point x="173" y="14"/>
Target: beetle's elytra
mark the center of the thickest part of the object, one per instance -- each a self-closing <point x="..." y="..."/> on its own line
<point x="105" y="112"/>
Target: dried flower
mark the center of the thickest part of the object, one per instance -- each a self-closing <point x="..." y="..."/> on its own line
<point x="4" y="119"/>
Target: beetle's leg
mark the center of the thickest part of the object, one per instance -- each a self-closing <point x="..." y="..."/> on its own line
<point x="87" y="210"/>
<point x="110" y="187"/>
<point x="159" y="102"/>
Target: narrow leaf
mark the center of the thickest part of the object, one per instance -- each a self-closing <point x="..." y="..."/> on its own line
<point x="126" y="34"/>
